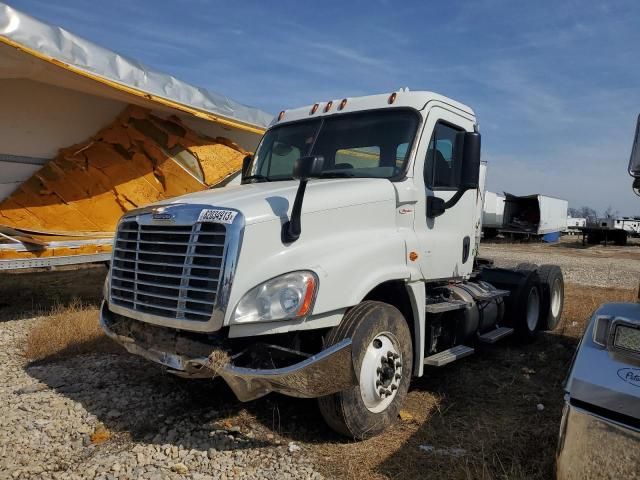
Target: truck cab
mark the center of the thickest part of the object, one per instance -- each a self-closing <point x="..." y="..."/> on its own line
<point x="343" y="264"/>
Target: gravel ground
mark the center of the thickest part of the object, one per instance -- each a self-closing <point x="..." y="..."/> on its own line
<point x="118" y="417"/>
<point x="597" y="266"/>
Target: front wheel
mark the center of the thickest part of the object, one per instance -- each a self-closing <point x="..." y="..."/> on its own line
<point x="382" y="360"/>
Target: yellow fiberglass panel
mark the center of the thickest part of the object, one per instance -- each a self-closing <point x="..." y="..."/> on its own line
<point x="136" y="160"/>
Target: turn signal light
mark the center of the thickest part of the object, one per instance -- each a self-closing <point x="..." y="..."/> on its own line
<point x="307" y="302"/>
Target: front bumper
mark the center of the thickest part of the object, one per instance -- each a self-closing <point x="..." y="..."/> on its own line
<point x="327" y="372"/>
<point x="595" y="447"/>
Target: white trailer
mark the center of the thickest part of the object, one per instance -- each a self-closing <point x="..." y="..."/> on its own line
<point x="574" y="224"/>
<point x="630" y="224"/>
<point x="87" y="134"/>
<point x="492" y="214"/>
<point x="535" y="215"/>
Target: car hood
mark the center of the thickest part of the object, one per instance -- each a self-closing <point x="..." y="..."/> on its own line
<point x="261" y="202"/>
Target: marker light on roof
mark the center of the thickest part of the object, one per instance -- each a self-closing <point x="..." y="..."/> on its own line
<point x="343" y="104"/>
<point x="281" y="115"/>
<point x="392" y="98"/>
<point x="314" y="109"/>
<point x="328" y="106"/>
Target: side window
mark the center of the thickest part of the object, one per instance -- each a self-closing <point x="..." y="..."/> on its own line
<point x="442" y="169"/>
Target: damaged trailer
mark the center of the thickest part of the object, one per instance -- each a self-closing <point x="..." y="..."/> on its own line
<point x="534" y="216"/>
<point x="87" y="135"/>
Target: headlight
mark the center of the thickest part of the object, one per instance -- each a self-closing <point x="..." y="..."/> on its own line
<point x="285" y="297"/>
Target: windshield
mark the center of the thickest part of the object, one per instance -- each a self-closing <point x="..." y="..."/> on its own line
<point x="368" y="144"/>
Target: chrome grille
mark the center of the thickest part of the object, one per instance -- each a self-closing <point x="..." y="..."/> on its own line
<point x="172" y="271"/>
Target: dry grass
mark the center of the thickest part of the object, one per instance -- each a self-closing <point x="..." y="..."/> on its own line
<point x="218" y="359"/>
<point x="67" y="330"/>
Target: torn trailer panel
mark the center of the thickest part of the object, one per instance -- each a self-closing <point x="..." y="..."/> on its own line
<point x="534" y="216"/>
<point x="82" y="142"/>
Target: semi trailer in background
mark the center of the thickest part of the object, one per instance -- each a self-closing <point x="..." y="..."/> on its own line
<point x="574" y="224"/>
<point x="524" y="217"/>
<point x="492" y="214"/>
<point x="606" y="230"/>
<point x="87" y="135"/>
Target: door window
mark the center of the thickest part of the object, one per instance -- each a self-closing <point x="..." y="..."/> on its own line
<point x="442" y="165"/>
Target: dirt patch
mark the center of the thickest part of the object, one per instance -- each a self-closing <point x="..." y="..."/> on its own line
<point x="67" y="330"/>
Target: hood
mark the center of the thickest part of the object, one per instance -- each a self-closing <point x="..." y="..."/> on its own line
<point x="261" y="202"/>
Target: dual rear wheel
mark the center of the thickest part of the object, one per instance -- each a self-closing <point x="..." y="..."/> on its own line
<point x="538" y="300"/>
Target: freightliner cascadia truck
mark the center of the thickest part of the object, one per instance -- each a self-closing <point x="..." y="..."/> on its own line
<point x="344" y="264"/>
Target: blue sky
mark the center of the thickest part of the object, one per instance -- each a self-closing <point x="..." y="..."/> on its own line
<point x="555" y="85"/>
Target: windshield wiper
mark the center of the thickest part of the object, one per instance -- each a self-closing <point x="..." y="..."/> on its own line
<point x="260" y="178"/>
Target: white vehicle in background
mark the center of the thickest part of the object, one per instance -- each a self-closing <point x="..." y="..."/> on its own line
<point x="600" y="430"/>
<point x="343" y="265"/>
<point x="574" y="224"/>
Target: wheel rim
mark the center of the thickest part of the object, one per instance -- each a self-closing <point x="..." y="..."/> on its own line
<point x="556" y="298"/>
<point x="533" y="309"/>
<point x="381" y="372"/>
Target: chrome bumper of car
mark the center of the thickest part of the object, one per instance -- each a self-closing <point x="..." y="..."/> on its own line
<point x="594" y="447"/>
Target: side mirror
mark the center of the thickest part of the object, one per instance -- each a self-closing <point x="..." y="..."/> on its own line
<point x="303" y="169"/>
<point x="308" y="167"/>
<point x="435" y="207"/>
<point x="470" y="165"/>
<point x="246" y="165"/>
<point x="634" y="161"/>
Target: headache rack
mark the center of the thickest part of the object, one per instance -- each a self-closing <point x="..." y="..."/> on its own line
<point x="171" y="271"/>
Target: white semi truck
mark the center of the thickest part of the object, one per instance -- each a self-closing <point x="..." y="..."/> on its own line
<point x="344" y="264"/>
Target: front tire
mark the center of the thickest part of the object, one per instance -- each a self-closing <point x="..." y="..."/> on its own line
<point x="382" y="357"/>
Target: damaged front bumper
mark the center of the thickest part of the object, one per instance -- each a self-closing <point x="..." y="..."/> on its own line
<point x="327" y="372"/>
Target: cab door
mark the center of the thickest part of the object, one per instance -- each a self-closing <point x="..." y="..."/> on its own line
<point x="447" y="241"/>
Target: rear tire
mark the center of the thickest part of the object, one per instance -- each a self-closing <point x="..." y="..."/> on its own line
<point x="375" y="329"/>
<point x="552" y="289"/>
<point x="525" y="307"/>
<point x="526" y="266"/>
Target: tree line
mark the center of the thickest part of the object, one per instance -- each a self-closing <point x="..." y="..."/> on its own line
<point x="591" y="214"/>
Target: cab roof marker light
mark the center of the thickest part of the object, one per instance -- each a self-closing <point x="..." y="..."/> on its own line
<point x="392" y="98"/>
<point x="314" y="109"/>
<point x="281" y="115"/>
<point x="343" y="104"/>
<point x="328" y="106"/>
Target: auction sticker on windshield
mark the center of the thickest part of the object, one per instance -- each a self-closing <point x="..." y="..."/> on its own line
<point x="217" y="216"/>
